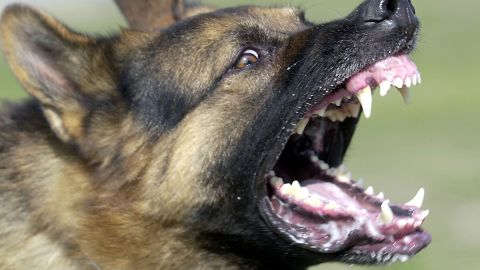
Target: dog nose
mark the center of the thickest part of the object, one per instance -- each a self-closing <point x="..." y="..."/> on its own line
<point x="400" y="12"/>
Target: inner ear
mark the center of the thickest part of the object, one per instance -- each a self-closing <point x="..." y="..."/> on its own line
<point x="58" y="67"/>
<point x="151" y="15"/>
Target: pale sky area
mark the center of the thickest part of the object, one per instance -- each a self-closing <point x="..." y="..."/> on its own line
<point x="101" y="15"/>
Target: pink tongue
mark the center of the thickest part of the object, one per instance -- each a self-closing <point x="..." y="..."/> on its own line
<point x="386" y="70"/>
<point x="330" y="192"/>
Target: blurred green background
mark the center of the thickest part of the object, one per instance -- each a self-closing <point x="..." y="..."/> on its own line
<point x="433" y="142"/>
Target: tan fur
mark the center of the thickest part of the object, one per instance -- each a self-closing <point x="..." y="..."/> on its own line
<point x="93" y="199"/>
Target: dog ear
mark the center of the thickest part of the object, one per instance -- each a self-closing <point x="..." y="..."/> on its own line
<point x="151" y="15"/>
<point x="57" y="66"/>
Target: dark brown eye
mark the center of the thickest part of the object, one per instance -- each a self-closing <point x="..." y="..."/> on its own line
<point x="247" y="58"/>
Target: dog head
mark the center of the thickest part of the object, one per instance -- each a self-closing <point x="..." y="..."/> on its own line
<point x="231" y="124"/>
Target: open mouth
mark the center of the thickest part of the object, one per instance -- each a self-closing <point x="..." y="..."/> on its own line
<point x="313" y="200"/>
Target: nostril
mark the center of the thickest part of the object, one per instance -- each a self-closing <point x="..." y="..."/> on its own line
<point x="391" y="5"/>
<point x="377" y="11"/>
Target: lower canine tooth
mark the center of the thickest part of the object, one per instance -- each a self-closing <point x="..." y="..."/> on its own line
<point x="301" y="126"/>
<point x="417" y="201"/>
<point x="386" y="214"/>
<point x="405" y="94"/>
<point x="369" y="191"/>
<point x="365" y="98"/>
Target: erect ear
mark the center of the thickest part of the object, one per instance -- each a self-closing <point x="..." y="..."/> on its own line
<point x="150" y="15"/>
<point x="58" y="67"/>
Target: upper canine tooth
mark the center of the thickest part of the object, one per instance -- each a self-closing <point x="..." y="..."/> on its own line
<point x="398" y="82"/>
<point x="408" y="82"/>
<point x="414" y="80"/>
<point x="302" y="125"/>
<point x="365" y="98"/>
<point x="417" y="201"/>
<point x="419" y="78"/>
<point x="385" y="87"/>
<point x="387" y="213"/>
<point x="405" y="91"/>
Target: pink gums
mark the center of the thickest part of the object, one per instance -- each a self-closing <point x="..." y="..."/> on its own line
<point x="385" y="70"/>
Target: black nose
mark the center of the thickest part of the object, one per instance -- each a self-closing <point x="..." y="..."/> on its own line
<point x="400" y="12"/>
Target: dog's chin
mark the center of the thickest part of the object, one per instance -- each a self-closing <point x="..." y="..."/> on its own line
<point x="310" y="198"/>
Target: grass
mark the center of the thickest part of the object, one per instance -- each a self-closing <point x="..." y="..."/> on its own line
<point x="431" y="143"/>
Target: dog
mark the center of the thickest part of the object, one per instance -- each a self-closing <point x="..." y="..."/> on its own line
<point x="200" y="138"/>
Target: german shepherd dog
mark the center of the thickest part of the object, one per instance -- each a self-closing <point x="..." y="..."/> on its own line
<point x="200" y="138"/>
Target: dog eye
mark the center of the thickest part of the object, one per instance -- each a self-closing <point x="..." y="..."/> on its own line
<point x="248" y="57"/>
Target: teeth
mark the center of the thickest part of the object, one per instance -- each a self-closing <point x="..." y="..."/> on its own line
<point x="321" y="112"/>
<point x="354" y="109"/>
<point x="417" y="201"/>
<point x="398" y="82"/>
<point x="299" y="192"/>
<point x="370" y="191"/>
<point x="338" y="102"/>
<point x="276" y="182"/>
<point x="336" y="115"/>
<point x="414" y="80"/>
<point x="408" y="82"/>
<point x="331" y="206"/>
<point x="313" y="201"/>
<point x="344" y="178"/>
<point x="419" y="78"/>
<point x="425" y="214"/>
<point x="385" y="87"/>
<point x="381" y="196"/>
<point x="402" y="223"/>
<point x="387" y="214"/>
<point x="403" y="258"/>
<point x="296" y="185"/>
<point x="405" y="94"/>
<point x="365" y="98"/>
<point x="359" y="182"/>
<point x="302" y="125"/>
<point x="286" y="189"/>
